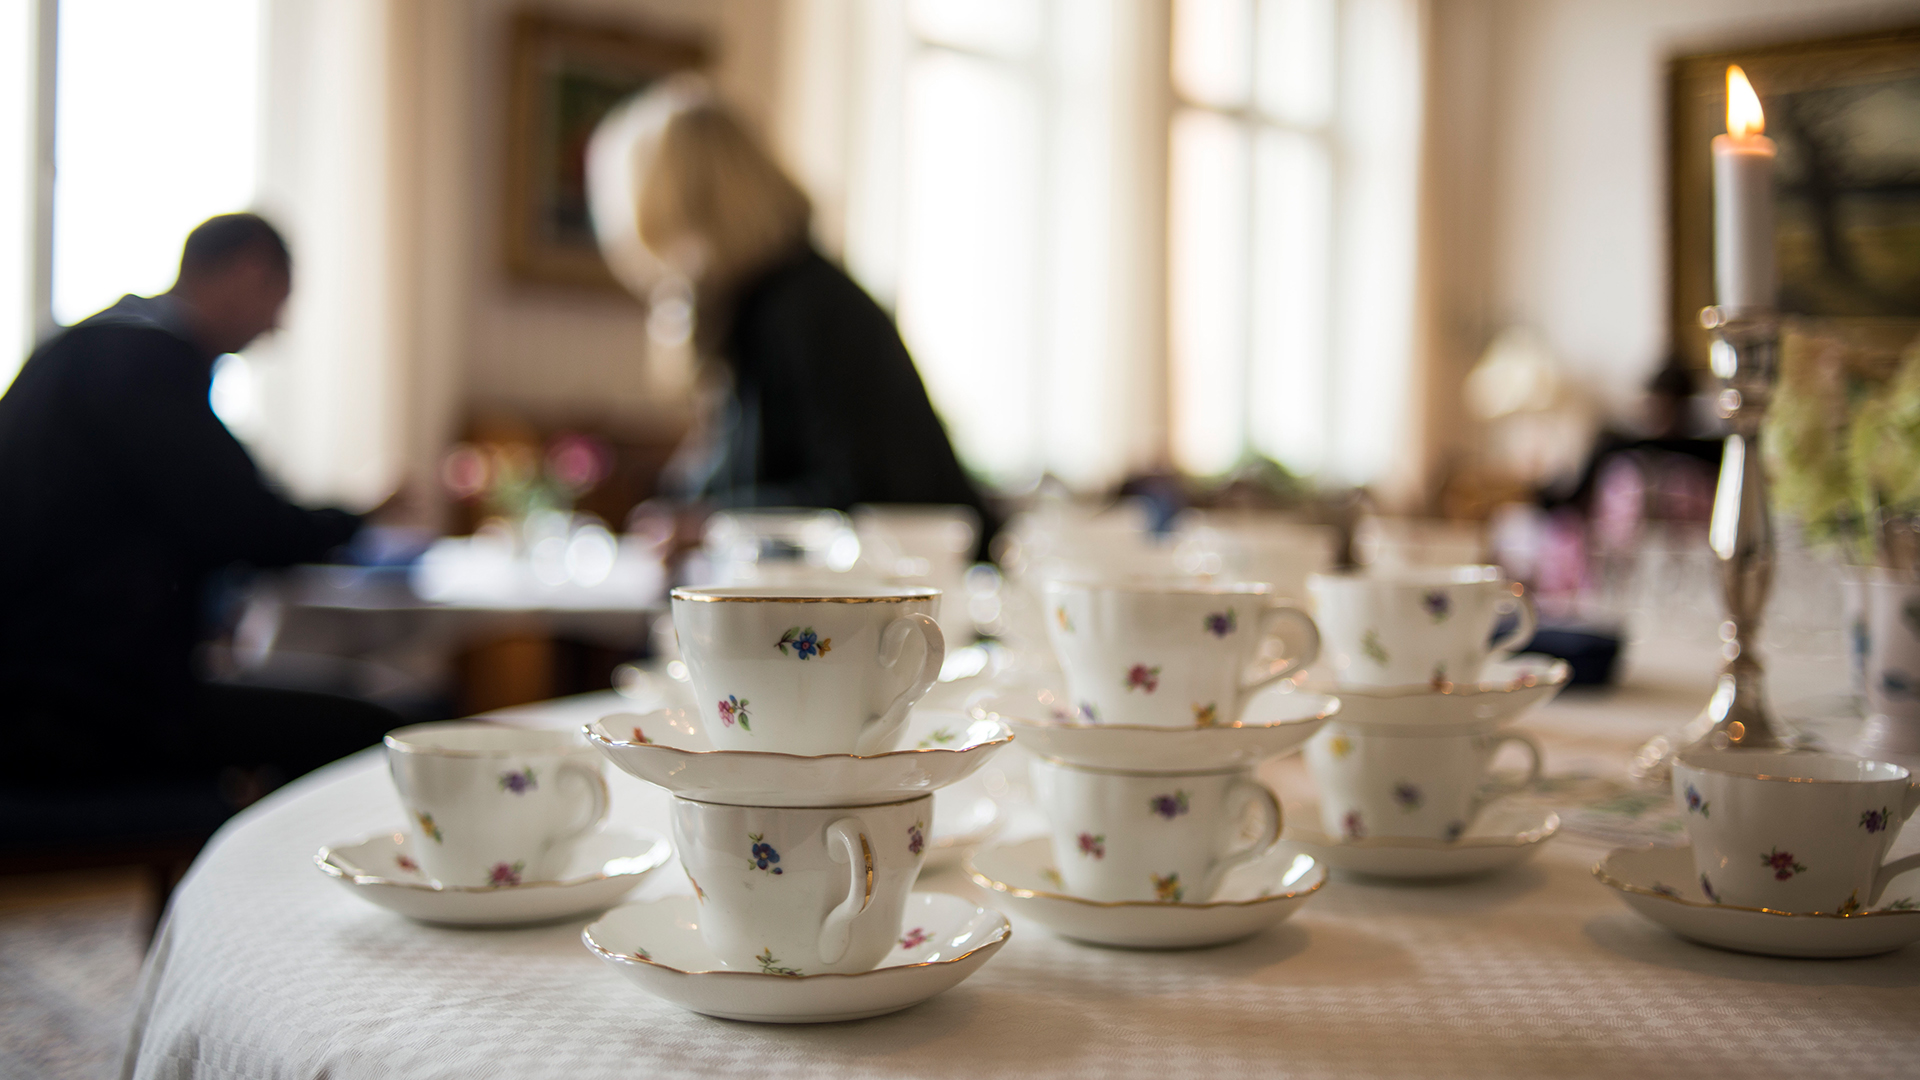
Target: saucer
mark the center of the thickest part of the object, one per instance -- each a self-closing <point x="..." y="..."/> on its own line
<point x="1275" y="722"/>
<point x="667" y="747"/>
<point x="1252" y="898"/>
<point x="1505" y="834"/>
<point x="1506" y="690"/>
<point x="1661" y="884"/>
<point x="605" y="867"/>
<point x="943" y="940"/>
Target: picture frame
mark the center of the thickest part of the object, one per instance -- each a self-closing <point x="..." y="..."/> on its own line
<point x="564" y="76"/>
<point x="1845" y="114"/>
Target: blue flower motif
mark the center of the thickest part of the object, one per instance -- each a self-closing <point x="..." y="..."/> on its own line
<point x="763" y="856"/>
<point x="806" y="644"/>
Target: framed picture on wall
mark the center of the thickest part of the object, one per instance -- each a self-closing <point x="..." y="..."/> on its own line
<point x="564" y="77"/>
<point x="1845" y="113"/>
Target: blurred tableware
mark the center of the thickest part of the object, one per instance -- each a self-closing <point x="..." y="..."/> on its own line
<point x="495" y="805"/>
<point x="1661" y="884"/>
<point x="1255" y="547"/>
<point x="1431" y="786"/>
<point x="604" y="867"/>
<point x="928" y="546"/>
<point x="1251" y="899"/>
<point x="795" y="670"/>
<point x="1505" y="691"/>
<point x="779" y="547"/>
<point x="669" y="747"/>
<point x="793" y="891"/>
<point x="964" y="817"/>
<point x="1417" y="626"/>
<point x="1165" y="838"/>
<point x="1396" y="542"/>
<point x="1890" y="668"/>
<point x="939" y="941"/>
<point x="1794" y="832"/>
<point x="1276" y="722"/>
<point x="1505" y="834"/>
<point x="1172" y="654"/>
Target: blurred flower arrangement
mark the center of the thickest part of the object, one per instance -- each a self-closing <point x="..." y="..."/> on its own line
<point x="517" y="480"/>
<point x="1843" y="447"/>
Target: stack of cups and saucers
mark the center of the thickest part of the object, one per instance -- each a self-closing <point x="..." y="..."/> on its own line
<point x="1421" y="658"/>
<point x="802" y="782"/>
<point x="1160" y="832"/>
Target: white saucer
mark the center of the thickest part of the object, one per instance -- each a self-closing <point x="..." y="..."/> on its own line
<point x="943" y="940"/>
<point x="1275" y="722"/>
<point x="1506" y="690"/>
<point x="964" y="817"/>
<point x="1252" y="898"/>
<point x="939" y="748"/>
<point x="1661" y="883"/>
<point x="605" y="867"/>
<point x="1504" y="835"/>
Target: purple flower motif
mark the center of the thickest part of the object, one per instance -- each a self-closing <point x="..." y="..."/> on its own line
<point x="1220" y="623"/>
<point x="1169" y="806"/>
<point x="1454" y="829"/>
<point x="1707" y="888"/>
<point x="505" y="873"/>
<point x="1142" y="677"/>
<point x="1782" y="864"/>
<point x="763" y="856"/>
<point x="519" y="782"/>
<point x="916" y="837"/>
<point x="1089" y="713"/>
<point x="734" y="710"/>
<point x="1355" y="828"/>
<point x="1875" y="820"/>
<point x="1666" y="891"/>
<point x="806" y="644"/>
<point x="1438" y="604"/>
<point x="1696" y="804"/>
<point x="1407" y="796"/>
<point x="915" y="938"/>
<point x="1093" y="846"/>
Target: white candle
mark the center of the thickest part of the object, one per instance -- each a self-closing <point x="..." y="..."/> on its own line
<point x="1743" y="202"/>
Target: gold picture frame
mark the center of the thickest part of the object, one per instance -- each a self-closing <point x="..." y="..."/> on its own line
<point x="563" y="78"/>
<point x="1842" y="111"/>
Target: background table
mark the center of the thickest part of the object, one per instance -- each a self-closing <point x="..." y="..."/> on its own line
<point x="267" y="968"/>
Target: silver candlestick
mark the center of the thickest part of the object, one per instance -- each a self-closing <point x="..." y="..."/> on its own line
<point x="1746" y="352"/>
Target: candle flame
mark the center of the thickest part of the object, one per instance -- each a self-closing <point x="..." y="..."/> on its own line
<point x="1744" y="117"/>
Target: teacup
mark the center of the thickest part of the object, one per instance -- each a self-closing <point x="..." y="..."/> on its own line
<point x="1169" y="654"/>
<point x="801" y="671"/>
<point x="1794" y="832"/>
<point x="786" y="891"/>
<point x="1166" y="837"/>
<point x="1417" y="625"/>
<point x="491" y="805"/>
<point x="1422" y="786"/>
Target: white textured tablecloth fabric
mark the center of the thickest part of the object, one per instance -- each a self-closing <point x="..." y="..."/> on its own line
<point x="268" y="969"/>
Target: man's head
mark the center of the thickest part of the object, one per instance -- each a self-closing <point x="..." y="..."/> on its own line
<point x="235" y="275"/>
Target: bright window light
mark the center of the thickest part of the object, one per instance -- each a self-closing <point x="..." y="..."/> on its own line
<point x="16" y="191"/>
<point x="1207" y="260"/>
<point x="156" y="129"/>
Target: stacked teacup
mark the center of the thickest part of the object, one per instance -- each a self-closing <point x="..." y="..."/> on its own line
<point x="1146" y="769"/>
<point x="800" y="827"/>
<point x="1425" y="688"/>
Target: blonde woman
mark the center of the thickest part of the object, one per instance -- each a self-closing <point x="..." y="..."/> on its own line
<point x="824" y="408"/>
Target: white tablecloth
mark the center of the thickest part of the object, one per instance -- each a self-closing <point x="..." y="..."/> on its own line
<point x="266" y="968"/>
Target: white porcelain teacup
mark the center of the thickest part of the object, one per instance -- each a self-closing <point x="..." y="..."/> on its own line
<point x="1417" y="625"/>
<point x="787" y="891"/>
<point x="803" y="671"/>
<point x="492" y="805"/>
<point x="1422" y="786"/>
<point x="1171" y="653"/>
<point x="1797" y="832"/>
<point x="1166" y="837"/>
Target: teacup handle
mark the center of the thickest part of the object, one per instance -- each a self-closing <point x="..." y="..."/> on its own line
<point x="1270" y="620"/>
<point x="1499" y="789"/>
<point x="1894" y="869"/>
<point x="847" y="843"/>
<point x="1510" y="643"/>
<point x="596" y="783"/>
<point x="1239" y="796"/>
<point x="875" y="732"/>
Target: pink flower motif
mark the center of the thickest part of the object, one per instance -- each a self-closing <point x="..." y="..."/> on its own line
<point x="734" y="711"/>
<point x="1095" y="846"/>
<point x="915" y="938"/>
<point x="1142" y="677"/>
<point x="1782" y="864"/>
<point x="406" y="864"/>
<point x="641" y="737"/>
<point x="1355" y="828"/>
<point x="916" y="839"/>
<point x="506" y="874"/>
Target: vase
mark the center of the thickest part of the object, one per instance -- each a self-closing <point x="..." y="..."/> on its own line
<point x="1892" y="608"/>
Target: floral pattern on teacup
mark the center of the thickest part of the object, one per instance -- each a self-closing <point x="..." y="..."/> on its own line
<point x="519" y="781"/>
<point x="1437" y="604"/>
<point x="1876" y="820"/>
<point x="1376" y="652"/>
<point x="917" y="837"/>
<point x="1142" y="677"/>
<point x="1089" y="713"/>
<point x="1220" y="623"/>
<point x="1782" y="863"/>
<point x="1093" y="845"/>
<point x="1340" y="746"/>
<point x="1170" y="806"/>
<point x="506" y="873"/>
<point x="1706" y="888"/>
<point x="641" y="954"/>
<point x="1853" y="903"/>
<point x="1060" y="616"/>
<point x="406" y="864"/>
<point x="1407" y="796"/>
<point x="1667" y="891"/>
<point x="641" y="737"/>
<point x="1698" y="805"/>
<point x="806" y="644"/>
<point x="427" y="826"/>
<point x="1354" y="826"/>
<point x="1168" y="890"/>
<point x="699" y="894"/>
<point x="937" y="737"/>
<point x="1438" y="681"/>
<point x="734" y="711"/>
<point x="762" y="856"/>
<point x="1905" y="903"/>
<point x="770" y="965"/>
<point x="1206" y="715"/>
<point x="1454" y="829"/>
<point x="915" y="938"/>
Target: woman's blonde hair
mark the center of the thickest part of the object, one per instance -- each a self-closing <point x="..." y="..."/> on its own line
<point x="706" y="200"/>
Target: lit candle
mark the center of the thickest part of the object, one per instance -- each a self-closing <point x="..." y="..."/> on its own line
<point x="1743" y="202"/>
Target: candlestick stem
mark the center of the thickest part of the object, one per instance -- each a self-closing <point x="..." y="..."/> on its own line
<point x="1746" y="358"/>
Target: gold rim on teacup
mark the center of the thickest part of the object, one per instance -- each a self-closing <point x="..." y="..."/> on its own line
<point x="1710" y="761"/>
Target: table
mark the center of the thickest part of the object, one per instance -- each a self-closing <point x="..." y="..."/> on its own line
<point x="266" y="968"/>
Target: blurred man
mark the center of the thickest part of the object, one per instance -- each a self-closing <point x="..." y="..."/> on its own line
<point x="123" y="492"/>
